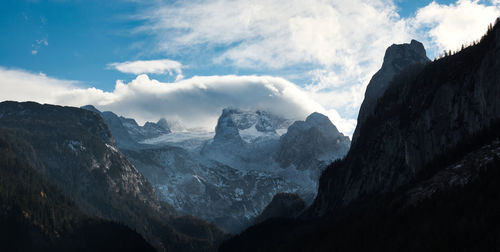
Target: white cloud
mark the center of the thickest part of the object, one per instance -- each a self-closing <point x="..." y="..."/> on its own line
<point x="20" y="85"/>
<point x="149" y="66"/>
<point x="279" y="33"/>
<point x="343" y="41"/>
<point x="447" y="27"/>
<point x="197" y="101"/>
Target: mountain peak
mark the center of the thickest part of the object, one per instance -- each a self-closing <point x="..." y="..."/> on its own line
<point x="318" y="119"/>
<point x="91" y="108"/>
<point x="397" y="57"/>
<point x="226" y="128"/>
<point x="249" y="124"/>
<point x="321" y="138"/>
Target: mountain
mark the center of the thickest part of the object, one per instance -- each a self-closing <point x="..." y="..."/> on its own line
<point x="37" y="216"/>
<point x="245" y="139"/>
<point x="228" y="178"/>
<point x="126" y="130"/>
<point x="312" y="143"/>
<point x="148" y="130"/>
<point x="396" y="59"/>
<point x="426" y="111"/>
<point x="421" y="174"/>
<point x="74" y="150"/>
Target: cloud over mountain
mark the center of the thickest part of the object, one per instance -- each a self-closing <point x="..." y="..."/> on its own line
<point x="196" y="101"/>
<point x="334" y="46"/>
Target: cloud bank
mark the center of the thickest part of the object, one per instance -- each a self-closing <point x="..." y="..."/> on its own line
<point x="196" y="102"/>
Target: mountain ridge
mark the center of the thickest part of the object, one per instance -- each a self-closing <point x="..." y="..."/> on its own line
<point x="74" y="149"/>
<point x="230" y="178"/>
<point x="421" y="173"/>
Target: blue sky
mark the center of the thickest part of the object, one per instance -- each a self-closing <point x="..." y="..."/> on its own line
<point x="74" y="43"/>
<point x="84" y="36"/>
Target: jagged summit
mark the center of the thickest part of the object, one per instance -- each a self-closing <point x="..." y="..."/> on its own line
<point x="227" y="129"/>
<point x="126" y="130"/>
<point x="397" y="57"/>
<point x="401" y="55"/>
<point x="234" y="124"/>
<point x="91" y="108"/>
<point x="318" y="137"/>
<point x="324" y="124"/>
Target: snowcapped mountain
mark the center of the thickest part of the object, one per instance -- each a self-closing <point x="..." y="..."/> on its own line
<point x="230" y="176"/>
<point x="253" y="126"/>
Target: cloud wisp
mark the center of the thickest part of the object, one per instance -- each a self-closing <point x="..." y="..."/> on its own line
<point x="161" y="66"/>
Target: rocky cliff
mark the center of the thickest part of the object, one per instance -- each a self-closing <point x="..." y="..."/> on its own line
<point x="422" y="173"/>
<point x="312" y="143"/>
<point x="396" y="59"/>
<point x="426" y="110"/>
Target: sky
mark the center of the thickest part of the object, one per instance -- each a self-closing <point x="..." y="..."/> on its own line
<point x="187" y="60"/>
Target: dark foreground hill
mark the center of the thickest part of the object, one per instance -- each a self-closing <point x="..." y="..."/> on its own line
<point x="37" y="216"/>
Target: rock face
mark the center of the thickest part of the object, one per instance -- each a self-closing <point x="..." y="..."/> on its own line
<point x="427" y="110"/>
<point x="422" y="174"/>
<point x="75" y="151"/>
<point x="396" y="59"/>
<point x="231" y="177"/>
<point x="314" y="142"/>
<point x="149" y="130"/>
<point x="126" y="130"/>
<point x="25" y="199"/>
<point x="283" y="205"/>
<point x="71" y="137"/>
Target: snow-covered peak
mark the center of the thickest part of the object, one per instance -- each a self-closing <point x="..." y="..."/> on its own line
<point x="250" y="125"/>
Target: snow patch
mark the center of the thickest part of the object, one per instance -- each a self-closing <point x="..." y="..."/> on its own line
<point x="111" y="148"/>
<point x="251" y="134"/>
<point x="188" y="139"/>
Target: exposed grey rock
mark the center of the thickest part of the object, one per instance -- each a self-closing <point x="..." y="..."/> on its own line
<point x="396" y="58"/>
<point x="148" y="130"/>
<point x="126" y="130"/>
<point x="312" y="144"/>
<point x="226" y="131"/>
